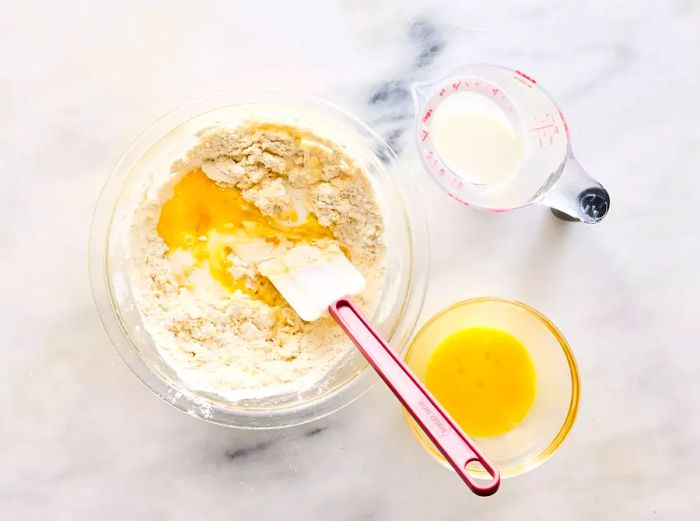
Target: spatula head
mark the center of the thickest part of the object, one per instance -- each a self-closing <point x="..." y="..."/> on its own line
<point x="310" y="278"/>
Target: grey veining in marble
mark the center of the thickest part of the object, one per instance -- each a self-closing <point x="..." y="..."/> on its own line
<point x="80" y="438"/>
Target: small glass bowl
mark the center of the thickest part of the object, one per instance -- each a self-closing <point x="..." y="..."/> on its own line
<point x="552" y="414"/>
<point x="150" y="156"/>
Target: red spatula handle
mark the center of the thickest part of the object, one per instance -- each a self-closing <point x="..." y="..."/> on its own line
<point x="452" y="442"/>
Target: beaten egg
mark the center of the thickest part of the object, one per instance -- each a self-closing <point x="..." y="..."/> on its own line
<point x="484" y="378"/>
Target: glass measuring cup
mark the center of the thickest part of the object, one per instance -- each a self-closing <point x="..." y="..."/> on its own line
<point x="549" y="173"/>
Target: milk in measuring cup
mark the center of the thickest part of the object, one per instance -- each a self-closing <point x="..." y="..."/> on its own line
<point x="476" y="140"/>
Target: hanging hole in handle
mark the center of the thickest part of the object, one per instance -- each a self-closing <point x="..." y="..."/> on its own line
<point x="482" y="478"/>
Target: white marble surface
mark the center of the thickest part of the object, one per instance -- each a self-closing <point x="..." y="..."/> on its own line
<point x="80" y="438"/>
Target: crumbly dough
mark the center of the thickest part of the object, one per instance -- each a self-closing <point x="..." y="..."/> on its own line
<point x="233" y="344"/>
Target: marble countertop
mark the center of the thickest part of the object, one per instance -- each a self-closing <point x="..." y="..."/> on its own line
<point x="81" y="438"/>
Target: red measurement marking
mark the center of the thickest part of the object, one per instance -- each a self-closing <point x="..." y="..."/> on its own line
<point x="455" y="86"/>
<point x="525" y="76"/>
<point x="524" y="82"/>
<point x="427" y="115"/>
<point x="453" y="196"/>
<point x="495" y="91"/>
<point x="566" y="126"/>
<point x="442" y="171"/>
<point x="425" y="135"/>
<point x="547" y="129"/>
<point x="442" y="92"/>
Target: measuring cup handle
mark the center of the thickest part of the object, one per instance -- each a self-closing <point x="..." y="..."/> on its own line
<point x="576" y="196"/>
<point x="452" y="442"/>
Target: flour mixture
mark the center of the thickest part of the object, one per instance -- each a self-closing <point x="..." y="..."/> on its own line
<point x="240" y="196"/>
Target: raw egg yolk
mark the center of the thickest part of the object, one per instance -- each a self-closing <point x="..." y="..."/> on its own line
<point x="202" y="218"/>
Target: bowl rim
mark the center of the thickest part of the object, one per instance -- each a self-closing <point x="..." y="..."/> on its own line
<point x="569" y="420"/>
<point x="189" y="402"/>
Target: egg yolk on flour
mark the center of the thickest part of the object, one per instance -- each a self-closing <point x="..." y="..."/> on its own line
<point x="203" y="218"/>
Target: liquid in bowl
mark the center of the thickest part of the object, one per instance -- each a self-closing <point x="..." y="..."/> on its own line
<point x="553" y="411"/>
<point x="484" y="377"/>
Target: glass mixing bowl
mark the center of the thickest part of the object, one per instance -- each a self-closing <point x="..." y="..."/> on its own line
<point x="151" y="155"/>
<point x="552" y="414"/>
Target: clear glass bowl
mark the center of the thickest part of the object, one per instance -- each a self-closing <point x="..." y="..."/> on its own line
<point x="552" y="414"/>
<point x="152" y="154"/>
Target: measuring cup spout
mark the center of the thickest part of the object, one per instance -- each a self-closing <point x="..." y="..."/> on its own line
<point x="576" y="196"/>
<point x="420" y="92"/>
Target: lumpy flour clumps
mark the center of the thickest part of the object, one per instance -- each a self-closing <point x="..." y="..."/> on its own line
<point x="240" y="195"/>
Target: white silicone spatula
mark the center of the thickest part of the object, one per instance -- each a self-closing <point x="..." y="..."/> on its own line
<point x="315" y="279"/>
